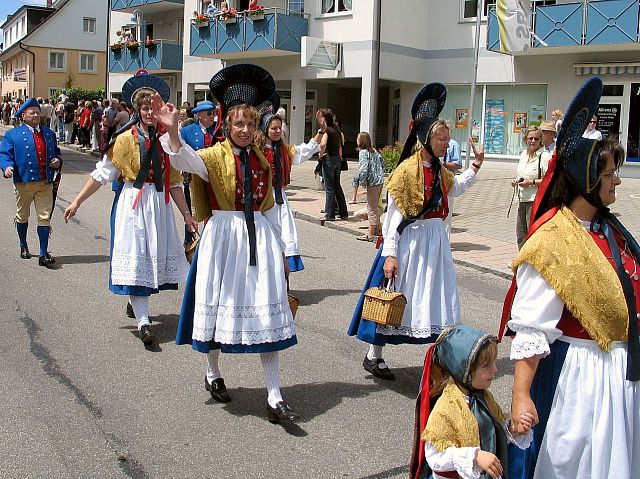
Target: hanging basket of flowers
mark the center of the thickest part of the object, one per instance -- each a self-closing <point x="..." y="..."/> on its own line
<point x="150" y="44"/>
<point x="132" y="45"/>
<point x="256" y="12"/>
<point x="200" y="19"/>
<point x="116" y="47"/>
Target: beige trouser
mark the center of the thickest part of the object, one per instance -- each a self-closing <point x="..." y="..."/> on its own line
<point x="373" y="195"/>
<point x="38" y="192"/>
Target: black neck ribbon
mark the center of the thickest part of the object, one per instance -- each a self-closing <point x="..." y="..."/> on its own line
<point x="277" y="164"/>
<point x="149" y="158"/>
<point x="245" y="163"/>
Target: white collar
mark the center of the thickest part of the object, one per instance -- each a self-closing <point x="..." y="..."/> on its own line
<point x="32" y="129"/>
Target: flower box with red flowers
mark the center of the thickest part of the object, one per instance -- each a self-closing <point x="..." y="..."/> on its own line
<point x="228" y="15"/>
<point x="256" y="12"/>
<point x="200" y="19"/>
<point x="150" y="43"/>
<point x="132" y="45"/>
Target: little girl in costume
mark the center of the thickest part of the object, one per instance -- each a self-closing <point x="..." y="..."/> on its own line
<point x="461" y="432"/>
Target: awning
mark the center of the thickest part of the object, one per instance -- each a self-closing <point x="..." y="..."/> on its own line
<point x="619" y="68"/>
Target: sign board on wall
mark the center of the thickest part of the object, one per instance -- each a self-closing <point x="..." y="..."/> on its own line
<point x="609" y="118"/>
<point x="20" y="74"/>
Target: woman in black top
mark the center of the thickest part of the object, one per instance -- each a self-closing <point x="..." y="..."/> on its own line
<point x="330" y="154"/>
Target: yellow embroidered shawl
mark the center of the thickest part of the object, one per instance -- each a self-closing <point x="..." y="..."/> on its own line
<point x="452" y="424"/>
<point x="125" y="155"/>
<point x="406" y="184"/>
<point x="221" y="166"/>
<point x="570" y="261"/>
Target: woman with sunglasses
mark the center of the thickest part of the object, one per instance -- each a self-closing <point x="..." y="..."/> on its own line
<point x="532" y="166"/>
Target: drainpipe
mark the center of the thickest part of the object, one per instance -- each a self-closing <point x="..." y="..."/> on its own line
<point x="375" y="67"/>
<point x="31" y="72"/>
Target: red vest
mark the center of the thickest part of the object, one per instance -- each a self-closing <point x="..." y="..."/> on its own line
<point x="443" y="210"/>
<point x="41" y="151"/>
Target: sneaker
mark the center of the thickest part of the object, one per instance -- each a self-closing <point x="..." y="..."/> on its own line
<point x="327" y="218"/>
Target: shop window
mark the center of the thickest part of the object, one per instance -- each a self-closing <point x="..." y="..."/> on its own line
<point x="612" y="90"/>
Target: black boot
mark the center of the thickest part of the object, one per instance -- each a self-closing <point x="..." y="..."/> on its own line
<point x="24" y="252"/>
<point x="47" y="261"/>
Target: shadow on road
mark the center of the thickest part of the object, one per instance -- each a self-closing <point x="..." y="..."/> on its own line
<point x="462" y="246"/>
<point x="314" y="296"/>
<point x="82" y="259"/>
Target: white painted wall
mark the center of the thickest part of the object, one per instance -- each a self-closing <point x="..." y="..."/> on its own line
<point x="64" y="28"/>
<point x="13" y="31"/>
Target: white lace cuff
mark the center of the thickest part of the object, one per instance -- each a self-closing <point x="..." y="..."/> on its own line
<point x="522" y="441"/>
<point x="529" y="342"/>
<point x="464" y="462"/>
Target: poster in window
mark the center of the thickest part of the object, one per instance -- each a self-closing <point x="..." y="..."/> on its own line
<point x="494" y="129"/>
<point x="519" y="121"/>
<point x="609" y="118"/>
<point x="536" y="114"/>
<point x="462" y="116"/>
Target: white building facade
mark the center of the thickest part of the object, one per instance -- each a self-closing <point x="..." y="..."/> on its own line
<point x="366" y="59"/>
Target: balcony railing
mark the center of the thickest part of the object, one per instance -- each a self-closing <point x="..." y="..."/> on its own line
<point x="164" y="56"/>
<point x="146" y="6"/>
<point x="602" y="22"/>
<point x="279" y="31"/>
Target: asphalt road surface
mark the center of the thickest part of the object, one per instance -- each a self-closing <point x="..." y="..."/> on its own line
<point x="82" y="398"/>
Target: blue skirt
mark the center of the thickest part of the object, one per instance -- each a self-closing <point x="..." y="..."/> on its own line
<point x="522" y="463"/>
<point x="295" y="263"/>
<point x="184" y="333"/>
<point x="366" y="330"/>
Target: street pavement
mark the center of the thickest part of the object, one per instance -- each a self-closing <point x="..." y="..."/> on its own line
<point x="82" y="397"/>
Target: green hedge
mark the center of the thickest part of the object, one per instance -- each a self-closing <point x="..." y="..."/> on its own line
<point x="391" y="155"/>
<point x="77" y="93"/>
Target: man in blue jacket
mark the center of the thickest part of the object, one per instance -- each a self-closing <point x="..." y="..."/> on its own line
<point x="30" y="155"/>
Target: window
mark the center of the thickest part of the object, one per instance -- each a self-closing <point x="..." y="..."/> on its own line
<point x="87" y="62"/>
<point x="336" y="6"/>
<point x="57" y="61"/>
<point x="296" y="6"/>
<point x="88" y="25"/>
<point x="470" y="7"/>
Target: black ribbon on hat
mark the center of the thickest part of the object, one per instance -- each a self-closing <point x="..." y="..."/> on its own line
<point x="149" y="158"/>
<point x="633" y="345"/>
<point x="277" y="162"/>
<point x="248" y="204"/>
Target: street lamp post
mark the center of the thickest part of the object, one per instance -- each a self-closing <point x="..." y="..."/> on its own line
<point x="138" y="19"/>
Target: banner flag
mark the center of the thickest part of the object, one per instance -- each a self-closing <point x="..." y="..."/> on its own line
<point x="514" y="21"/>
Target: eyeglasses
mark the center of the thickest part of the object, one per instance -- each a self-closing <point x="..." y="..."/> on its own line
<point x="593" y="121"/>
<point x="241" y="125"/>
<point x="612" y="174"/>
<point x="533" y="139"/>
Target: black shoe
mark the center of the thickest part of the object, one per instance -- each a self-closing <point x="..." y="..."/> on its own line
<point x="282" y="412"/>
<point x="24" y="252"/>
<point x="146" y="336"/>
<point x="47" y="261"/>
<point x="373" y="366"/>
<point x="130" y="313"/>
<point x="329" y="218"/>
<point x="217" y="389"/>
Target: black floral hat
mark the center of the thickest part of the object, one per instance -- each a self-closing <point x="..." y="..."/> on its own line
<point x="242" y="84"/>
<point x="577" y="156"/>
<point x="426" y="107"/>
<point x="139" y="82"/>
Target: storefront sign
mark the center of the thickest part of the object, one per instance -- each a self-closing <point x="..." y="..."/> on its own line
<point x="609" y="118"/>
<point x="20" y="75"/>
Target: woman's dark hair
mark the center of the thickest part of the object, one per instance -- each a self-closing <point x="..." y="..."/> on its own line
<point x="564" y="192"/>
<point x="327" y="114"/>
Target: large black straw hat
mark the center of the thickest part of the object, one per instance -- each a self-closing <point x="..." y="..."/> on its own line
<point x="242" y="83"/>
<point x="139" y="82"/>
<point x="426" y="107"/>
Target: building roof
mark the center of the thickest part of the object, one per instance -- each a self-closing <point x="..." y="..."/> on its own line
<point x="23" y="8"/>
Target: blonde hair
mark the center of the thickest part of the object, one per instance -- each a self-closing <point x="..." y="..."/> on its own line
<point x="143" y="97"/>
<point x="260" y="137"/>
<point x="247" y="110"/>
<point x="531" y="129"/>
<point x="558" y="113"/>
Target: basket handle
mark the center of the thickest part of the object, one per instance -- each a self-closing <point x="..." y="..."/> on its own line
<point x="390" y="284"/>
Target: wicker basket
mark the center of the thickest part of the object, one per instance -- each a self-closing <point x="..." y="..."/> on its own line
<point x="293" y="304"/>
<point x="190" y="249"/>
<point x="383" y="306"/>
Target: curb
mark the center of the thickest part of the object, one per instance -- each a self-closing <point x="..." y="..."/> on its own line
<point x="345" y="229"/>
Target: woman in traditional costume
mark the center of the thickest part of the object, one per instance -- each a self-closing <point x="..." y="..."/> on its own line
<point x="236" y="295"/>
<point x="146" y="252"/>
<point x="281" y="157"/>
<point x="416" y="252"/>
<point x="573" y="307"/>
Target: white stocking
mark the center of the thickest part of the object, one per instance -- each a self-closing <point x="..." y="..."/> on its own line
<point x="375" y="352"/>
<point x="213" y="370"/>
<point x="140" y="305"/>
<point x="271" y="367"/>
